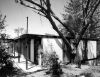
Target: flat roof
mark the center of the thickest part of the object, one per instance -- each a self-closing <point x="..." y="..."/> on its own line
<point x="37" y="36"/>
<point x="30" y="36"/>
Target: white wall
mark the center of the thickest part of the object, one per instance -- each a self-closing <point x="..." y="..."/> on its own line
<point x="92" y="50"/>
<point x="32" y="50"/>
<point x="53" y="44"/>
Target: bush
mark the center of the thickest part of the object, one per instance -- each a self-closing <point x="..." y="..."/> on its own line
<point x="55" y="68"/>
<point x="51" y="62"/>
<point x="48" y="59"/>
<point x="6" y="64"/>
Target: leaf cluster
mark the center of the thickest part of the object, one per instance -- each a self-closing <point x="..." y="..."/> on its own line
<point x="81" y="12"/>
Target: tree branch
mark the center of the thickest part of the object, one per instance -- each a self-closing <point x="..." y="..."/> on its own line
<point x="87" y="6"/>
<point x="85" y="60"/>
<point x="57" y="30"/>
<point x="40" y="13"/>
<point x="34" y="3"/>
<point x="86" y="23"/>
<point x="67" y="27"/>
<point x="38" y="10"/>
<point x="95" y="7"/>
<point x="22" y="3"/>
<point x="2" y="22"/>
<point x="44" y="2"/>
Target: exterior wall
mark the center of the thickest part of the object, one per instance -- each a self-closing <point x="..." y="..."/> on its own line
<point x="9" y="47"/>
<point x="98" y="48"/>
<point x="16" y="48"/>
<point x="23" y="48"/>
<point x="92" y="51"/>
<point x="32" y="50"/>
<point x="53" y="45"/>
<point x="98" y="52"/>
<point x="81" y="49"/>
<point x="66" y="55"/>
<point x="50" y="45"/>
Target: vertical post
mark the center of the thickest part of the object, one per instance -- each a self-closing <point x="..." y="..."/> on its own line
<point x="85" y="51"/>
<point x="32" y="50"/>
<point x="27" y="26"/>
<point x="96" y="61"/>
<point x="14" y="48"/>
<point x="19" y="51"/>
<point x="26" y="54"/>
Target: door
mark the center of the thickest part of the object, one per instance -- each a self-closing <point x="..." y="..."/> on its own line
<point x="37" y="42"/>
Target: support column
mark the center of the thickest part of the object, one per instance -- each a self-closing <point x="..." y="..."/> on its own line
<point x="32" y="50"/>
<point x="27" y="54"/>
<point x="14" y="48"/>
<point x="19" y="50"/>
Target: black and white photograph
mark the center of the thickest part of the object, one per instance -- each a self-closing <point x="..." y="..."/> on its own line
<point x="49" y="38"/>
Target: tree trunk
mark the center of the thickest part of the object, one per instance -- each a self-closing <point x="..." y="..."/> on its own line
<point x="57" y="30"/>
<point x="78" y="58"/>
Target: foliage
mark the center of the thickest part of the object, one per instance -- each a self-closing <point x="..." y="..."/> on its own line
<point x="2" y="21"/>
<point x="6" y="64"/>
<point x="55" y="68"/>
<point x="47" y="59"/>
<point x="51" y="62"/>
<point x="87" y="74"/>
<point x="19" y="31"/>
<point x="77" y="10"/>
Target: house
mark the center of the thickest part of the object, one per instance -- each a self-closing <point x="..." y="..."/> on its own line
<point x="30" y="46"/>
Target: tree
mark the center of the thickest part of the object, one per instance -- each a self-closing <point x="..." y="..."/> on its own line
<point x="74" y="20"/>
<point x="88" y="9"/>
<point x="19" y="31"/>
<point x="6" y="64"/>
<point x="76" y="16"/>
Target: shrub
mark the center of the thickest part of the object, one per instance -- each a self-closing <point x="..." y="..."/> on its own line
<point x="51" y="62"/>
<point x="6" y="64"/>
<point x="48" y="59"/>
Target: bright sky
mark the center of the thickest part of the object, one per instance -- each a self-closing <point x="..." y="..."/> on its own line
<point x="16" y="17"/>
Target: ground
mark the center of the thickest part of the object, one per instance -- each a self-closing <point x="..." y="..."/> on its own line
<point x="68" y="71"/>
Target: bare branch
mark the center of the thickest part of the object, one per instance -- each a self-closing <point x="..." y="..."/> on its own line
<point x="83" y="9"/>
<point x="95" y="7"/>
<point x="30" y="1"/>
<point x="40" y="13"/>
<point x="44" y="2"/>
<point x="48" y="4"/>
<point x="91" y="8"/>
<point x="2" y="22"/>
<point x="87" y="6"/>
<point x="22" y="3"/>
<point x="57" y="30"/>
<point x="34" y="8"/>
<point x="87" y="23"/>
<point x="67" y="27"/>
<point x="4" y="18"/>
<point x="52" y="13"/>
<point x="41" y="3"/>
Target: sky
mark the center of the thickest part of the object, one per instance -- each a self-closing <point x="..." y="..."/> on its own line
<point x="16" y="17"/>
